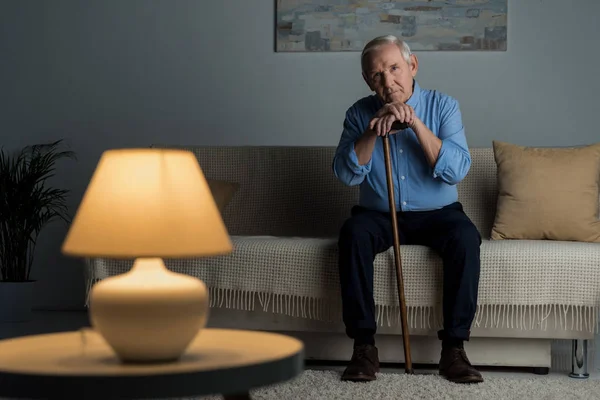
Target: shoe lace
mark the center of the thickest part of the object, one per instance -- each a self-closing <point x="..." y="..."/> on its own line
<point x="458" y="354"/>
<point x="361" y="352"/>
<point x="461" y="354"/>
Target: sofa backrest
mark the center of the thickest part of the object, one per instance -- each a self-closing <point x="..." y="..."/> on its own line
<point x="292" y="191"/>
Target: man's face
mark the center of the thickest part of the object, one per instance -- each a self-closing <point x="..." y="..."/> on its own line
<point x="389" y="75"/>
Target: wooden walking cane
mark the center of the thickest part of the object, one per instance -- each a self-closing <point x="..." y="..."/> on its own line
<point x="399" y="279"/>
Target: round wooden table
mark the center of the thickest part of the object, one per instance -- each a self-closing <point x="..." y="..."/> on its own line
<point x="81" y="365"/>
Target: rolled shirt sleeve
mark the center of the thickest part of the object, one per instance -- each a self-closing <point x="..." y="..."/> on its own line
<point x="345" y="162"/>
<point x="454" y="160"/>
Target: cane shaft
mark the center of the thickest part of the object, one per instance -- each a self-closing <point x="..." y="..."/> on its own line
<point x="399" y="278"/>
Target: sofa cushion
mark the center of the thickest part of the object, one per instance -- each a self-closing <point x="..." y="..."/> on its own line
<point x="547" y="193"/>
<point x="292" y="191"/>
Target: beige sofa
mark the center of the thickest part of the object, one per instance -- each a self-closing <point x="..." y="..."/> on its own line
<point x="282" y="275"/>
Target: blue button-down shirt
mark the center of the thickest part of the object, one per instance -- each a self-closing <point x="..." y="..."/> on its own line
<point x="417" y="186"/>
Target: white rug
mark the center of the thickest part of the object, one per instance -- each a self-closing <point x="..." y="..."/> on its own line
<point x="321" y="385"/>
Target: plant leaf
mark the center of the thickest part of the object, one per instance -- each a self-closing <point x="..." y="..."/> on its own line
<point x="28" y="204"/>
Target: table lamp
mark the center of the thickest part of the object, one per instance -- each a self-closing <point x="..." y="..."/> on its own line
<point x="148" y="204"/>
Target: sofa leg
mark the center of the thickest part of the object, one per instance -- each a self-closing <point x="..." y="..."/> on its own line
<point x="579" y="359"/>
<point x="541" y="370"/>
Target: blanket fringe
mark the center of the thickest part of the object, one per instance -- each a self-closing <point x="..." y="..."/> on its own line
<point x="515" y="316"/>
<point x="511" y="316"/>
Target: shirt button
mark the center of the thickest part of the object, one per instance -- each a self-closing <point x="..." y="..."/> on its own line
<point x="403" y="203"/>
<point x="401" y="150"/>
<point x="402" y="177"/>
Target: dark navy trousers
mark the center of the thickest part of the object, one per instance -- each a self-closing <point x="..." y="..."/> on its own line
<point x="448" y="231"/>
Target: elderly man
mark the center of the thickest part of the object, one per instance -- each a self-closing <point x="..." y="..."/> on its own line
<point x="428" y="159"/>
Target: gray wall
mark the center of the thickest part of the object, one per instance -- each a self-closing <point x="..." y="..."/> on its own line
<point x="116" y="73"/>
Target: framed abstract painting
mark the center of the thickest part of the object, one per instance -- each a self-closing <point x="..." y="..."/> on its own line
<point x="347" y="25"/>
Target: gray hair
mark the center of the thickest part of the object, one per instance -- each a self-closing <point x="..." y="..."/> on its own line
<point x="382" y="40"/>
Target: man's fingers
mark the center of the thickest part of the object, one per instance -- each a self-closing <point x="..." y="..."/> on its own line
<point x="388" y="123"/>
<point x="412" y="115"/>
<point x="382" y="111"/>
<point x="379" y="127"/>
<point x="396" y="112"/>
<point x="383" y="127"/>
<point x="402" y="117"/>
<point x="385" y="117"/>
<point x="373" y="123"/>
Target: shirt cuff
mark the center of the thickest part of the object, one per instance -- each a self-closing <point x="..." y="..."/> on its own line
<point x="442" y="161"/>
<point x="355" y="166"/>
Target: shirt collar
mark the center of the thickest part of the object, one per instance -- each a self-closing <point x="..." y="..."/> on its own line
<point x="416" y="95"/>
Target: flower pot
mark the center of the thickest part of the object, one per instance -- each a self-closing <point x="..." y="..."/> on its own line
<point x="16" y="301"/>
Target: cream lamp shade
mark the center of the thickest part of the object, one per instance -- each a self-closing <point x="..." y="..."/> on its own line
<point x="148" y="204"/>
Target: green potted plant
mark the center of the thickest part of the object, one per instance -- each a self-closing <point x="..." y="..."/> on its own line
<point x="27" y="204"/>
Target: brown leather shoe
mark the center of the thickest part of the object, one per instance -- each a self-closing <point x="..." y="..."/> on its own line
<point x="456" y="367"/>
<point x="363" y="365"/>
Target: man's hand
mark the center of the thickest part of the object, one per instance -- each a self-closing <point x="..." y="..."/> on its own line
<point x="388" y="114"/>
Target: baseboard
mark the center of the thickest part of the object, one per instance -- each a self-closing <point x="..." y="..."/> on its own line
<point x="506" y="352"/>
<point x="328" y="342"/>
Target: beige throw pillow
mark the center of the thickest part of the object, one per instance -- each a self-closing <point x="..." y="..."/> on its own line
<point x="547" y="193"/>
<point x="222" y="192"/>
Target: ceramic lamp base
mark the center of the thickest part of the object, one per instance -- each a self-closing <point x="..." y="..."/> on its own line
<point x="149" y="314"/>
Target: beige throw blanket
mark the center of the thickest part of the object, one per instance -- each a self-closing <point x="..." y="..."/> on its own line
<point x="522" y="282"/>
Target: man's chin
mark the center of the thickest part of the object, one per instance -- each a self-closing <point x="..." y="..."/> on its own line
<point x="394" y="98"/>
